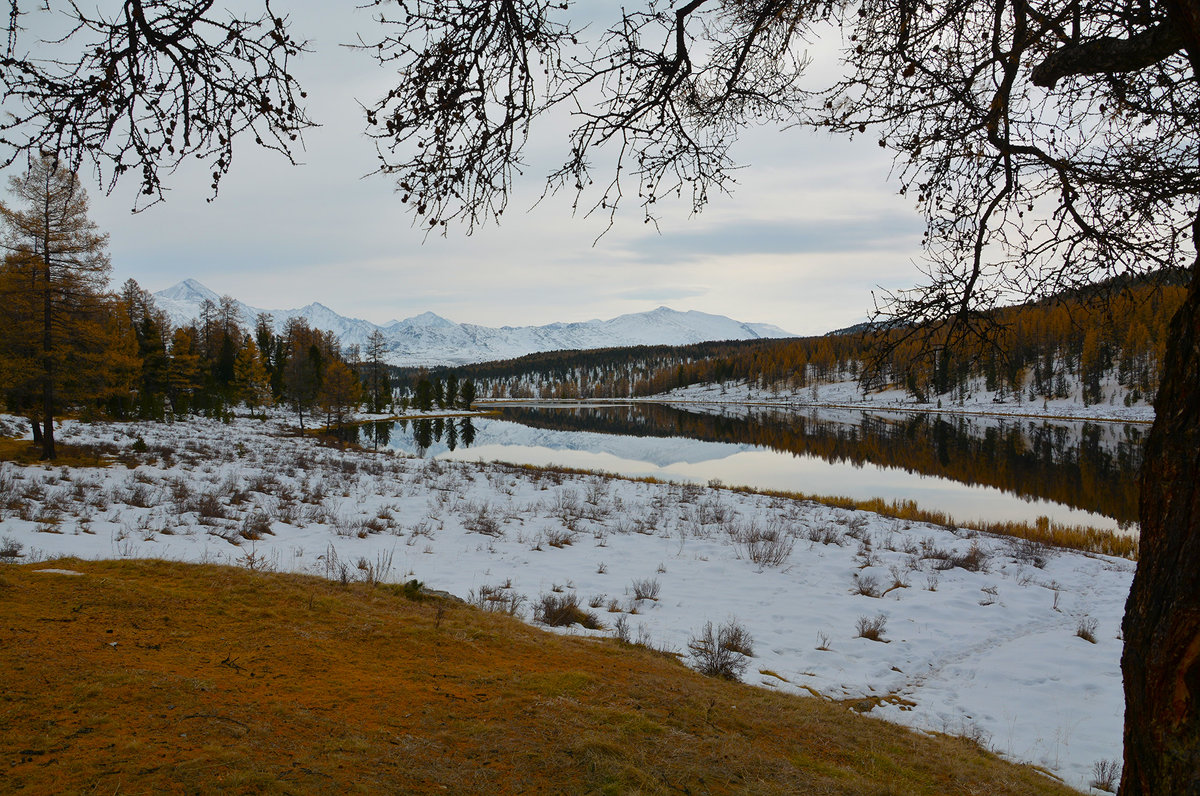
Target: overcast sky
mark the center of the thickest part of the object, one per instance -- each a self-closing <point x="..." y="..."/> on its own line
<point x="812" y="228"/>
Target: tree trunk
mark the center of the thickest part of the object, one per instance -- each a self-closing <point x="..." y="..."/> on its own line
<point x="1161" y="661"/>
<point x="36" y="424"/>
<point x="48" y="370"/>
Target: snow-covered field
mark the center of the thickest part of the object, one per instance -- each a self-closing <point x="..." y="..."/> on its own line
<point x="979" y="401"/>
<point x="981" y="635"/>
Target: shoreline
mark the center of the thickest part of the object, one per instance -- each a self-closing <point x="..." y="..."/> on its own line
<point x="1069" y="413"/>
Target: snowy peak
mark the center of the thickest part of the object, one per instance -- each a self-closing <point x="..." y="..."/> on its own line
<point x="426" y="319"/>
<point x="691" y="326"/>
<point x="429" y="339"/>
<point x="189" y="290"/>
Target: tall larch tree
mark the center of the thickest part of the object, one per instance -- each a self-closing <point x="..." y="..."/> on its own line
<point x="302" y="366"/>
<point x="251" y="381"/>
<point x="19" y="342"/>
<point x="378" y="385"/>
<point x="340" y="392"/>
<point x="184" y="376"/>
<point x="65" y="267"/>
<point x="152" y="328"/>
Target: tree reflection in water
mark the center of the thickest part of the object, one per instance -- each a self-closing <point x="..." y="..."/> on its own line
<point x="1085" y="465"/>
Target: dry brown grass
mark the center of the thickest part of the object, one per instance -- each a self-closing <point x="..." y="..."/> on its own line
<point x="144" y="676"/>
<point x="1073" y="537"/>
<point x="22" y="451"/>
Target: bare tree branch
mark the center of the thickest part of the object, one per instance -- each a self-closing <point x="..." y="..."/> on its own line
<point x="144" y="88"/>
<point x="1109" y="54"/>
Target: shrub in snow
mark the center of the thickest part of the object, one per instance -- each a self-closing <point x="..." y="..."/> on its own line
<point x="872" y="627"/>
<point x="768" y="548"/>
<point x="10" y="549"/>
<point x="1105" y="775"/>
<point x="561" y="610"/>
<point x="209" y="506"/>
<point x="482" y="520"/>
<point x="974" y="560"/>
<point x="866" y="585"/>
<point x="621" y="630"/>
<point x="497" y="599"/>
<point x="255" y="525"/>
<point x="722" y="651"/>
<point x="646" y="589"/>
<point x="825" y="535"/>
<point x="1030" y="551"/>
<point x="559" y="539"/>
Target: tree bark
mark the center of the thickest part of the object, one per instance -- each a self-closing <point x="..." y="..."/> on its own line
<point x="1161" y="661"/>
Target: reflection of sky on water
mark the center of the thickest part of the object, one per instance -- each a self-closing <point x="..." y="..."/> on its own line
<point x="677" y="459"/>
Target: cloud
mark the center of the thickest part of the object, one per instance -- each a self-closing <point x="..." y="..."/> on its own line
<point x="660" y="293"/>
<point x="810" y="227"/>
<point x="804" y="236"/>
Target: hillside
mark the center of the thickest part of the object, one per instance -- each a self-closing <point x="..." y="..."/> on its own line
<point x="146" y="676"/>
<point x="1073" y="348"/>
<point x="428" y="339"/>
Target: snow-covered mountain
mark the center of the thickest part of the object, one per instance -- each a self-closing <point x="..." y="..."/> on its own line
<point x="429" y="339"/>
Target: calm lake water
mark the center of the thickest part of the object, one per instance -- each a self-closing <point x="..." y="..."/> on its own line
<point x="973" y="468"/>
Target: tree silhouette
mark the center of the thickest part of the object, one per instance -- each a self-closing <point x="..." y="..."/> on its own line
<point x="142" y="88"/>
<point x="379" y="388"/>
<point x="340" y="392"/>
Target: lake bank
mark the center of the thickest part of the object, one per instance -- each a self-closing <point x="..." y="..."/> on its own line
<point x="849" y="395"/>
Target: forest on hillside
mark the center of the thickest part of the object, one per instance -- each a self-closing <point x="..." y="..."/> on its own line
<point x="1043" y="350"/>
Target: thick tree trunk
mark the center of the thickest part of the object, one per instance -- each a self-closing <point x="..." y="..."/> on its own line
<point x="1161" y="661"/>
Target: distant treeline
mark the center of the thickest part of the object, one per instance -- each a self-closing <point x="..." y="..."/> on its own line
<point x="155" y="369"/>
<point x="213" y="364"/>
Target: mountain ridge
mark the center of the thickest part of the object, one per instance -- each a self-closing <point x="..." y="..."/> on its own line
<point x="428" y="339"/>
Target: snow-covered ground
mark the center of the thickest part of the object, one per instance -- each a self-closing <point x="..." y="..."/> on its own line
<point x="981" y="634"/>
<point x="978" y="401"/>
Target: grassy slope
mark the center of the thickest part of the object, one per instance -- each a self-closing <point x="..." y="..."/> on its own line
<point x="146" y="675"/>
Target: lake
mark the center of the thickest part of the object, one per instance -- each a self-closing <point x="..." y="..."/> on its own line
<point x="971" y="467"/>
